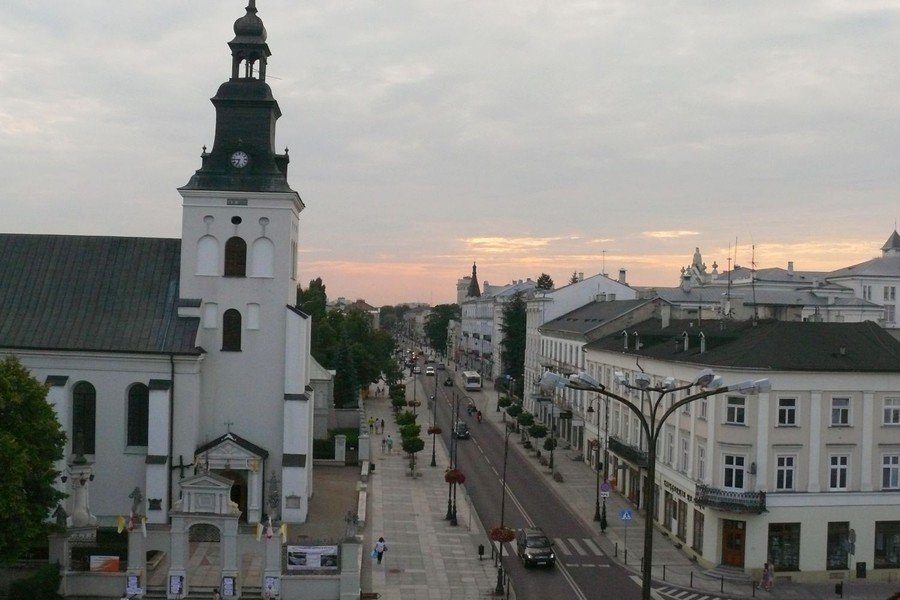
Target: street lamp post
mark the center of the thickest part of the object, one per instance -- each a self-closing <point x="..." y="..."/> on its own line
<point x="596" y="444"/>
<point x="449" y="516"/>
<point x="499" y="589"/>
<point x="434" y="422"/>
<point x="652" y="425"/>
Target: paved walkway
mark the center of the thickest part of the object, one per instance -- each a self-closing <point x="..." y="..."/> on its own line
<point x="429" y="559"/>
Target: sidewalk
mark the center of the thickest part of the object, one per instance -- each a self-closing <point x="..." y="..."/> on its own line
<point x="426" y="557"/>
<point x="578" y="490"/>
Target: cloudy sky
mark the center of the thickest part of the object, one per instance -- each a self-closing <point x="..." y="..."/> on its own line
<point x="529" y="136"/>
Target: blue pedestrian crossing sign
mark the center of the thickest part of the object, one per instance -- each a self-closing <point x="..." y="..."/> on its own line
<point x="625" y="514"/>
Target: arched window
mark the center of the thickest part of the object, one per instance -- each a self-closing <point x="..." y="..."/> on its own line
<point x="262" y="258"/>
<point x="84" y="418"/>
<point x="207" y="256"/>
<point x="235" y="257"/>
<point x="231" y="331"/>
<point x="138" y="415"/>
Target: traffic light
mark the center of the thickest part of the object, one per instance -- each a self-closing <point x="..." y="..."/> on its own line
<point x="839" y="589"/>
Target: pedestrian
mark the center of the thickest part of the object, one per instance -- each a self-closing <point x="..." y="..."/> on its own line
<point x="371" y="424"/>
<point x="383" y="445"/>
<point x="382" y="426"/>
<point x="380" y="549"/>
<point x="768" y="578"/>
<point x="390" y="444"/>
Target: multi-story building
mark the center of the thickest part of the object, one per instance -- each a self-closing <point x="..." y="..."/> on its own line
<point x="805" y="476"/>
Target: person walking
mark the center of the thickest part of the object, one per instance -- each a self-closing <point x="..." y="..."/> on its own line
<point x="371" y="424"/>
<point x="767" y="581"/>
<point x="383" y="445"/>
<point x="380" y="549"/>
<point x="390" y="444"/>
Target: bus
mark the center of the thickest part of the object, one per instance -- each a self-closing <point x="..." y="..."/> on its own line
<point x="472" y="380"/>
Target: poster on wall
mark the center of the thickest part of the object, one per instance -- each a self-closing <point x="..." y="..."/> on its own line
<point x="133" y="585"/>
<point x="176" y="585"/>
<point x="307" y="558"/>
<point x="104" y="564"/>
<point x="228" y="587"/>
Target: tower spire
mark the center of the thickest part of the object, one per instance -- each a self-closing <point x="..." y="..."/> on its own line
<point x="474" y="290"/>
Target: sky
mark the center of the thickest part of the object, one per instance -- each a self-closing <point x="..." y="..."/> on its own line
<point x="529" y="136"/>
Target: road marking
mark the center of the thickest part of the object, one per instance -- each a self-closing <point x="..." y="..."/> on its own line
<point x="562" y="547"/>
<point x="592" y="546"/>
<point x="577" y="547"/>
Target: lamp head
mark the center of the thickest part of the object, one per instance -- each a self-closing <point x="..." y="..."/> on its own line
<point x="669" y="383"/>
<point x="619" y="377"/>
<point x="642" y="380"/>
<point x="751" y="388"/>
<point x="551" y="380"/>
<point x="582" y="379"/>
<point x="706" y="378"/>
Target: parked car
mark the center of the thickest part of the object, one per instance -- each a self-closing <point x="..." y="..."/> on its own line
<point x="429" y="361"/>
<point x="417" y="369"/>
<point x="441" y="366"/>
<point x="461" y="431"/>
<point x="429" y="371"/>
<point x="534" y="548"/>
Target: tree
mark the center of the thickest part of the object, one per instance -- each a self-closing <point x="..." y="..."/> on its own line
<point x="346" y="385"/>
<point x="544" y="282"/>
<point x="574" y="277"/>
<point x="513" y="344"/>
<point x="31" y="441"/>
<point x="437" y="322"/>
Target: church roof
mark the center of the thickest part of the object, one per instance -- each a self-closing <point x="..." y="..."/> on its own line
<point x="84" y="293"/>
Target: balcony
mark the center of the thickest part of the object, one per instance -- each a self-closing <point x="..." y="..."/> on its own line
<point x="630" y="453"/>
<point x="730" y="501"/>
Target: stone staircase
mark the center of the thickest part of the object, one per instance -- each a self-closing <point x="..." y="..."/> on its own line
<point x="728" y="573"/>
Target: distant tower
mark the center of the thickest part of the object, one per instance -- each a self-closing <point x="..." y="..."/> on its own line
<point x="474" y="291"/>
<point x="892" y="246"/>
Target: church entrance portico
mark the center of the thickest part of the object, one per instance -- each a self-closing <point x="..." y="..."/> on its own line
<point x="240" y="462"/>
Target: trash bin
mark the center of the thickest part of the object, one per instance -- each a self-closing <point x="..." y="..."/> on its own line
<point x="480" y="551"/>
<point x="860" y="570"/>
<point x="371" y="466"/>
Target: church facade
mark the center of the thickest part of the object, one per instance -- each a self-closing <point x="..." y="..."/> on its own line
<point x="170" y="358"/>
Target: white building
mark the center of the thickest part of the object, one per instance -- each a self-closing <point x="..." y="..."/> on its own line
<point x="169" y="357"/>
<point x="789" y="476"/>
<point x="547" y="305"/>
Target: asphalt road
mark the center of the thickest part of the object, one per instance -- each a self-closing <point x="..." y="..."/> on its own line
<point x="582" y="571"/>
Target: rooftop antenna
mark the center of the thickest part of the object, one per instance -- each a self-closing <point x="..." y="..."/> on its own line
<point x="603" y="253"/>
<point x="753" y="283"/>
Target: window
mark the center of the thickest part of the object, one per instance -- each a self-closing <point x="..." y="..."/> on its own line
<point x="231" y="331"/>
<point x="698" y="531"/>
<point x="785" y="466"/>
<point x="838" y="468"/>
<point x="683" y="461"/>
<point x="84" y="418"/>
<point x="890" y="472"/>
<point x="838" y="545"/>
<point x="703" y="409"/>
<point x="235" y="257"/>
<point x="787" y="412"/>
<point x="890" y="313"/>
<point x="734" y="411"/>
<point x="138" y="415"/>
<point x="867" y="292"/>
<point x="784" y="546"/>
<point x="890" y="292"/>
<point x="840" y="412"/>
<point x="670" y="448"/>
<point x="701" y="463"/>
<point x="891" y="411"/>
<point x="734" y="471"/>
<point x="887" y="544"/>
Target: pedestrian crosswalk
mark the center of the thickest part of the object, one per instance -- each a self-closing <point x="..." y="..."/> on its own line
<point x="570" y="550"/>
<point x="683" y="594"/>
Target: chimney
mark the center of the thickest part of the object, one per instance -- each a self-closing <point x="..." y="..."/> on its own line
<point x="686" y="282"/>
<point x="625" y="337"/>
<point x="702" y="343"/>
<point x="790" y="267"/>
<point x="581" y="276"/>
<point x="685" y="337"/>
<point x="622" y="276"/>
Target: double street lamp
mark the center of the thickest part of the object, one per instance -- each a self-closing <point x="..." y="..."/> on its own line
<point x="652" y="424"/>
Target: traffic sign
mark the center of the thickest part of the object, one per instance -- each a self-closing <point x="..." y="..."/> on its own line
<point x="625" y="514"/>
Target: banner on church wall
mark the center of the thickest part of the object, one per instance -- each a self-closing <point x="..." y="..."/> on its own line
<point x="104" y="564"/>
<point x="307" y="558"/>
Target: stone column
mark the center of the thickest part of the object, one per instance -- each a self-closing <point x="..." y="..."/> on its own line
<point x="351" y="563"/>
<point x="340" y="448"/>
<point x="177" y="557"/>
<point x="229" y="532"/>
<point x="137" y="557"/>
<point x="157" y="469"/>
<point x="272" y="564"/>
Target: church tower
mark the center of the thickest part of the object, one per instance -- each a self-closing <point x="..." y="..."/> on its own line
<point x="240" y="231"/>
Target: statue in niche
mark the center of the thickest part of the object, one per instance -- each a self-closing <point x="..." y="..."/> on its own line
<point x="60" y="516"/>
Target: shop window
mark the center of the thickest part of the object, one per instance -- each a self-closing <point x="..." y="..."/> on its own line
<point x="887" y="544"/>
<point x="784" y="546"/>
<point x="838" y="546"/>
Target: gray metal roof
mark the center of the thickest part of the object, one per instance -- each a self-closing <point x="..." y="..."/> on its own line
<point x="766" y="345"/>
<point x="82" y="293"/>
<point x="590" y="316"/>
<point x="883" y="266"/>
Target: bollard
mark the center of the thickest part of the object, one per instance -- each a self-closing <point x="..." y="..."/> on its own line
<point x="480" y="551"/>
<point x="692" y="578"/>
<point x="626" y="556"/>
<point x="616" y="554"/>
<point x="664" y="572"/>
<point x="722" y="584"/>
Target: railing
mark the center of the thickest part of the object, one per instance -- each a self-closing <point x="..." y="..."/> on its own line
<point x="730" y="501"/>
<point x="632" y="454"/>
